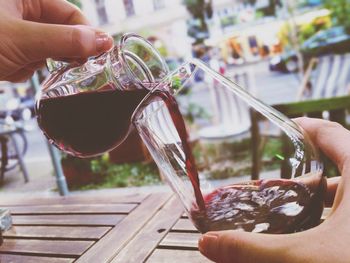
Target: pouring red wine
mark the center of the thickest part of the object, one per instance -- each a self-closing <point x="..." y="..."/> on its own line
<point x="90" y="123"/>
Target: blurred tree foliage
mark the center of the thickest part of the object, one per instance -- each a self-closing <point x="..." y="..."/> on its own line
<point x="75" y="2"/>
<point x="340" y="12"/>
<point x="200" y="10"/>
<point x="309" y="29"/>
<point x="305" y="30"/>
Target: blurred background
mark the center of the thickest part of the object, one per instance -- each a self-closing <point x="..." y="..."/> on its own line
<point x="274" y="44"/>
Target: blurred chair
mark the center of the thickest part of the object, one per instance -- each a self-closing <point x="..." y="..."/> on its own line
<point x="323" y="94"/>
<point x="13" y="147"/>
<point x="326" y="77"/>
<point x="231" y="114"/>
<point x="12" y="138"/>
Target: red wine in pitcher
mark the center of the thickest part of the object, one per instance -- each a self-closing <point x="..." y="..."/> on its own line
<point x="89" y="123"/>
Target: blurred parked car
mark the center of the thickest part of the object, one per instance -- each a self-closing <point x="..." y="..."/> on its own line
<point x="330" y="41"/>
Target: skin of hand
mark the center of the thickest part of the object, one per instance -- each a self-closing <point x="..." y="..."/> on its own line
<point x="327" y="242"/>
<point x="33" y="30"/>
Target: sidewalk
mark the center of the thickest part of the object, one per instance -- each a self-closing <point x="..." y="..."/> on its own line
<point x="41" y="179"/>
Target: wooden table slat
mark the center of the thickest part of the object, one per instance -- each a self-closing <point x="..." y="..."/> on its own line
<point x="110" y="245"/>
<point x="136" y="228"/>
<point x="142" y="245"/>
<point x="45" y="247"/>
<point x="4" y="258"/>
<point x="184" y="225"/>
<point x="111" y="198"/>
<point x="181" y="240"/>
<point x="73" y="209"/>
<point x="177" y="256"/>
<point x="65" y="220"/>
<point x="53" y="232"/>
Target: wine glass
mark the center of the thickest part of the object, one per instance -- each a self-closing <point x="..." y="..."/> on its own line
<point x="200" y="136"/>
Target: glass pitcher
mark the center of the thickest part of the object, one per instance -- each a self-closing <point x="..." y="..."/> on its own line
<point x="85" y="110"/>
<point x="197" y="126"/>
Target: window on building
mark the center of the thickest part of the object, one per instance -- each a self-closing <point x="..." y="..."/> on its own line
<point x="158" y="4"/>
<point x="101" y="12"/>
<point x="129" y="7"/>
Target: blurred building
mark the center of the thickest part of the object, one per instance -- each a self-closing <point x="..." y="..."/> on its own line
<point x="165" y="22"/>
<point x="238" y="30"/>
<point x="249" y="32"/>
<point x="162" y="20"/>
<point x="246" y="32"/>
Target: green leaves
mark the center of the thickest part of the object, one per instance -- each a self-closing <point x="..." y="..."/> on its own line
<point x="111" y="175"/>
<point x="195" y="111"/>
<point x="176" y="83"/>
<point x="76" y="2"/>
<point x="340" y="10"/>
<point x="122" y="175"/>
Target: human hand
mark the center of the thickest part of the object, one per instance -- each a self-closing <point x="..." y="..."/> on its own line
<point x="33" y="30"/>
<point x="327" y="242"/>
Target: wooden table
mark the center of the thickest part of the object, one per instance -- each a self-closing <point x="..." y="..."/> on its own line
<point x="130" y="228"/>
<point x="114" y="228"/>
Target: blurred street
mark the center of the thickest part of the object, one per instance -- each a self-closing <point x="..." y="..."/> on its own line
<point x="271" y="87"/>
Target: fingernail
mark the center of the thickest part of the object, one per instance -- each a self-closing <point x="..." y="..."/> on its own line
<point x="103" y="41"/>
<point x="208" y="245"/>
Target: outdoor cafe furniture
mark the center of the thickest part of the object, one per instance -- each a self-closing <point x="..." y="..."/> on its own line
<point x="8" y="139"/>
<point x="95" y="228"/>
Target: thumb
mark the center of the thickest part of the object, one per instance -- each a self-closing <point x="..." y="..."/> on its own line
<point x="243" y="247"/>
<point x="40" y="41"/>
